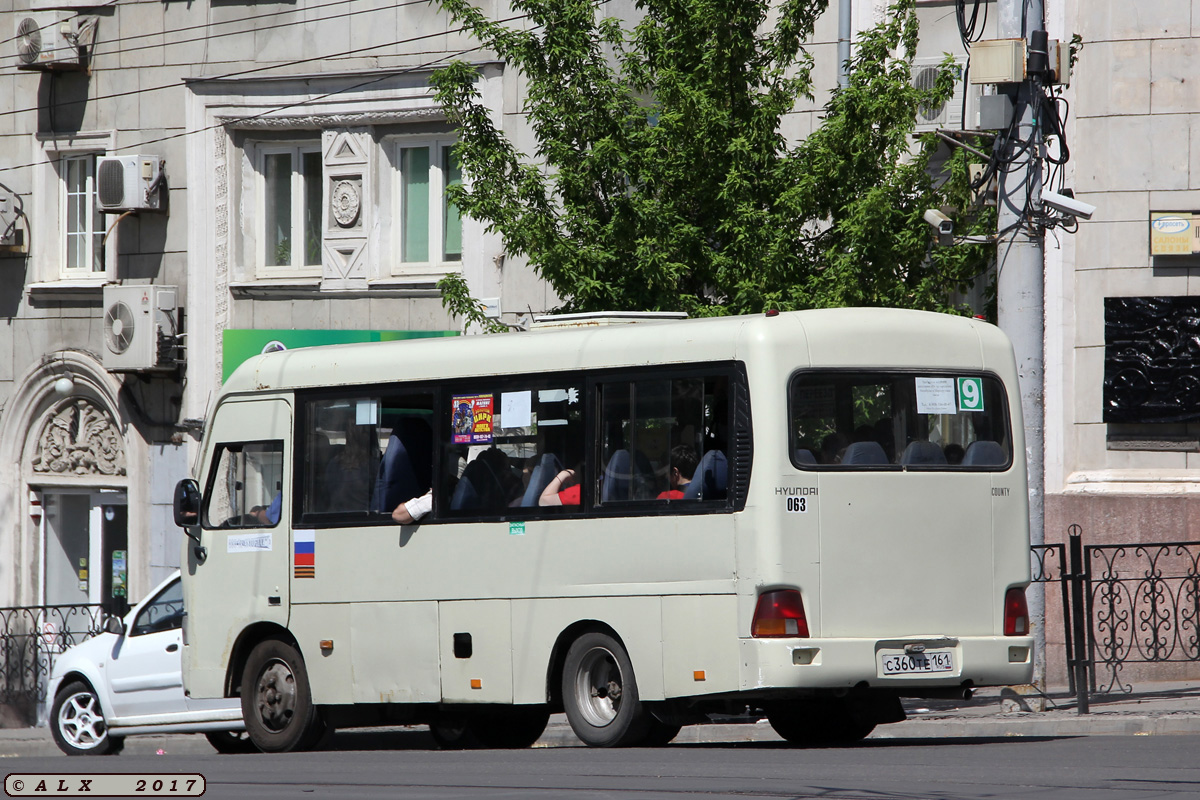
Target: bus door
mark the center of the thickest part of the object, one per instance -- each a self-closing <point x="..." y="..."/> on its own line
<point x="242" y="575"/>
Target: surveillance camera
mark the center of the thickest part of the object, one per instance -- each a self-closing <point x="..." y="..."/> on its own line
<point x="1067" y="204"/>
<point x="942" y="224"/>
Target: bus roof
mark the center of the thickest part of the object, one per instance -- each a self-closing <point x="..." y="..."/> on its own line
<point x="862" y="337"/>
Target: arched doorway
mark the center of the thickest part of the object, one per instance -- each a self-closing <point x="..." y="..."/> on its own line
<point x="78" y="471"/>
<point x="64" y="486"/>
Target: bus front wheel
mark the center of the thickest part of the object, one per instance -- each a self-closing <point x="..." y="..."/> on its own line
<point x="600" y="694"/>
<point x="277" y="701"/>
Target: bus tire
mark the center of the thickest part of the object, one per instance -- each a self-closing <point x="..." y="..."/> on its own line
<point x="513" y="728"/>
<point x="824" y="722"/>
<point x="660" y="733"/>
<point x="452" y="732"/>
<point x="600" y="693"/>
<point x="277" y="700"/>
<point x="231" y="743"/>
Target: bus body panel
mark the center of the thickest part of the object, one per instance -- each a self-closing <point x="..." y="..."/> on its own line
<point x="697" y="658"/>
<point x="330" y="671"/>
<point x="481" y="669"/>
<point x="458" y="560"/>
<point x="394" y="652"/>
<point x="882" y="544"/>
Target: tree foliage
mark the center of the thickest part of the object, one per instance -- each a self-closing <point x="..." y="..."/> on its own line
<point x="661" y="178"/>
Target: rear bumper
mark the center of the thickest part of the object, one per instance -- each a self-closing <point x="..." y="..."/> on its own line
<point x="772" y="664"/>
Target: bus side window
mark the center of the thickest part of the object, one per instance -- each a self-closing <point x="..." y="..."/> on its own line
<point x="246" y="485"/>
<point x="664" y="440"/>
<point x="507" y="443"/>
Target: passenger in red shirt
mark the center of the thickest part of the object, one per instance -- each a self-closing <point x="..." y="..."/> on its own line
<point x="683" y="467"/>
<point x="556" y="495"/>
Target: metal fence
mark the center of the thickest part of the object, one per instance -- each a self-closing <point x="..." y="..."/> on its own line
<point x="31" y="638"/>
<point x="1136" y="603"/>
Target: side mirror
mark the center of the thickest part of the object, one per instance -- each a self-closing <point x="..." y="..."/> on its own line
<point x="187" y="506"/>
<point x="114" y="625"/>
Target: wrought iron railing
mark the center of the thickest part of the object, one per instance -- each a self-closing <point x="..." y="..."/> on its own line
<point x="1050" y="566"/>
<point x="31" y="638"/>
<point x="1143" y="605"/>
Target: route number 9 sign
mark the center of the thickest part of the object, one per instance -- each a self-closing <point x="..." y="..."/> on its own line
<point x="970" y="394"/>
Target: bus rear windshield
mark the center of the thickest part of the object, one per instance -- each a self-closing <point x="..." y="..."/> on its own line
<point x="890" y="420"/>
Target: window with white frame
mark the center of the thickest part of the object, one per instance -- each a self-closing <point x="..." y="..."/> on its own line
<point x="430" y="229"/>
<point x="83" y="224"/>
<point x="289" y="192"/>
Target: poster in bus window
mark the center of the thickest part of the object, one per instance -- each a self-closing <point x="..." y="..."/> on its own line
<point x="472" y="418"/>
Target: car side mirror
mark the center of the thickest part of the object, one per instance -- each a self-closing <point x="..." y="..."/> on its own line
<point x="114" y="625"/>
<point x="187" y="506"/>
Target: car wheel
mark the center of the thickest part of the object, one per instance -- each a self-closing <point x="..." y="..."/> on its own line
<point x="77" y="723"/>
<point x="600" y="693"/>
<point x="277" y="700"/>
<point x="513" y="728"/>
<point x="231" y="742"/>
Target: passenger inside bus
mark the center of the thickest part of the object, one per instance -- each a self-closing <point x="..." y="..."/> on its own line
<point x="350" y="474"/>
<point x="683" y="468"/>
<point x="564" y="489"/>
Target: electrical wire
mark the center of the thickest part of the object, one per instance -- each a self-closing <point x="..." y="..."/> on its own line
<point x="377" y="78"/>
<point x="118" y="47"/>
<point x="264" y="68"/>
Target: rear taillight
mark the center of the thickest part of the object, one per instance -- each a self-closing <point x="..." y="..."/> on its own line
<point x="1016" y="613"/>
<point x="779" y="613"/>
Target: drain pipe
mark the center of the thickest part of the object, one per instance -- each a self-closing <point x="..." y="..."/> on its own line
<point x="843" y="52"/>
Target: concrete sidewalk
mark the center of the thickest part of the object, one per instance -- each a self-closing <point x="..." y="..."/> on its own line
<point x="1151" y="709"/>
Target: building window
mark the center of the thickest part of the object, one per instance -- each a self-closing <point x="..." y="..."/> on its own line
<point x="290" y="192"/>
<point x="84" y="224"/>
<point x="430" y="226"/>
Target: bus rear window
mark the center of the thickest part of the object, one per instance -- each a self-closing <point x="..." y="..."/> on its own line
<point x="888" y="420"/>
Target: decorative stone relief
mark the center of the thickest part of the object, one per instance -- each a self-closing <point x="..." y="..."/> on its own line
<point x="80" y="439"/>
<point x="345" y="202"/>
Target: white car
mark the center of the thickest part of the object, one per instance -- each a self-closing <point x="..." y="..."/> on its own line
<point x="128" y="681"/>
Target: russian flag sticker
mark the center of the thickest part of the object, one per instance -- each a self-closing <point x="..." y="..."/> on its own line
<point x="304" y="554"/>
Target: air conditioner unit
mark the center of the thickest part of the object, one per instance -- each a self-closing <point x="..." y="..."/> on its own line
<point x="129" y="183"/>
<point x="950" y="113"/>
<point x="52" y="41"/>
<point x="140" y="328"/>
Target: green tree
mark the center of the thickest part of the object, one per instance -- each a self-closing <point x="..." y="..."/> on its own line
<point x="661" y="180"/>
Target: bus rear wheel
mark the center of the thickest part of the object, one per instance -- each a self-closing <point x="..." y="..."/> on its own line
<point x="277" y="700"/>
<point x="600" y="693"/>
<point x="820" y="722"/>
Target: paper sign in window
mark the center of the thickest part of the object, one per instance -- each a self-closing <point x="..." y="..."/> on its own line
<point x="516" y="409"/>
<point x="936" y="396"/>
<point x="366" y="412"/>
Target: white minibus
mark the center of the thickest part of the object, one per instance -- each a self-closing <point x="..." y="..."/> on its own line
<point x="810" y="515"/>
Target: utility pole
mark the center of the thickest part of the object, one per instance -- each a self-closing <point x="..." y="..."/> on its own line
<point x="1021" y="289"/>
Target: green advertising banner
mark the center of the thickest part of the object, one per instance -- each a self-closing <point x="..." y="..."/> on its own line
<point x="238" y="345"/>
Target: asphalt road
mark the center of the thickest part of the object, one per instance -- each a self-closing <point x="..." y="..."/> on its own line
<point x="405" y="766"/>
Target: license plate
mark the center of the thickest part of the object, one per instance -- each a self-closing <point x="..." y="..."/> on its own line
<point x="917" y="663"/>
